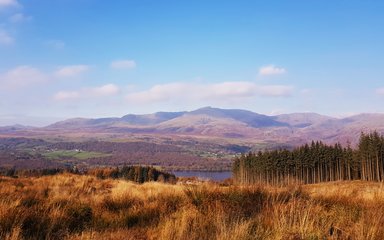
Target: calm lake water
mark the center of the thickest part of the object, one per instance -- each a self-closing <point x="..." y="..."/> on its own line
<point x="215" y="176"/>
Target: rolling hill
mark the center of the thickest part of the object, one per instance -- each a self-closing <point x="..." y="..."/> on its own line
<point x="294" y="128"/>
<point x="206" y="138"/>
<point x="230" y="124"/>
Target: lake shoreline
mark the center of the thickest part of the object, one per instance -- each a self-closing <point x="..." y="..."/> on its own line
<point x="207" y="175"/>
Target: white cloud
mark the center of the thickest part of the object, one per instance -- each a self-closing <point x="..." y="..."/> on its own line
<point x="380" y="91"/>
<point x="65" y="95"/>
<point x="5" y="38"/>
<point x="275" y="90"/>
<point x="22" y="76"/>
<point x="271" y="70"/>
<point x="225" y="91"/>
<point x="123" y="64"/>
<point x="56" y="44"/>
<point x="9" y="3"/>
<point x="232" y="89"/>
<point x="106" y="90"/>
<point x="19" y="17"/>
<point x="162" y="92"/>
<point x="306" y="91"/>
<point x="102" y="91"/>
<point x="71" y="71"/>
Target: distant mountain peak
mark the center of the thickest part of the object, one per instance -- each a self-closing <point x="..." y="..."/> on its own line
<point x="227" y="123"/>
<point x="150" y="119"/>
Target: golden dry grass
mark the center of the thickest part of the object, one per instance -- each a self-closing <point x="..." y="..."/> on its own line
<point x="83" y="207"/>
<point x="357" y="190"/>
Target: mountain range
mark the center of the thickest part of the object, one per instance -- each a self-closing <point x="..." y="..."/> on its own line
<point x="295" y="128"/>
<point x="204" y="139"/>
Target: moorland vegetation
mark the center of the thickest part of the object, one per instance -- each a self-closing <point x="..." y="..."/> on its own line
<point x="68" y="206"/>
<point x="267" y="199"/>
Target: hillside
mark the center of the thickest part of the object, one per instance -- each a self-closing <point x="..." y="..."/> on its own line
<point x="203" y="139"/>
<point x="292" y="129"/>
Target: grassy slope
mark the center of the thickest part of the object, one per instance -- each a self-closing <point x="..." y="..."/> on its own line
<point x="83" y="207"/>
<point x="80" y="155"/>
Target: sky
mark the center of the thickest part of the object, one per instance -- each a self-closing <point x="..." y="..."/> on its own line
<point x="93" y="58"/>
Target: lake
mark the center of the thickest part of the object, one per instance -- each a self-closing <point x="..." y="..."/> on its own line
<point x="215" y="176"/>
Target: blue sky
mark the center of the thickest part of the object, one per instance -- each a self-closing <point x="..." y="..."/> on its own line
<point x="93" y="58"/>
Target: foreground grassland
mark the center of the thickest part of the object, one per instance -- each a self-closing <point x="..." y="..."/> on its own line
<point x="83" y="207"/>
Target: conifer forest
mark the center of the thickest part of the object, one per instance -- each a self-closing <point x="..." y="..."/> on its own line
<point x="314" y="163"/>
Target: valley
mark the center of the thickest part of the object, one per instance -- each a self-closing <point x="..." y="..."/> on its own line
<point x="204" y="139"/>
<point x="191" y="120"/>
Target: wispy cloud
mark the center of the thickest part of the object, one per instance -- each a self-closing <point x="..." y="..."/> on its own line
<point x="105" y="90"/>
<point x="71" y="71"/>
<point x="275" y="90"/>
<point x="380" y="91"/>
<point x="306" y="91"/>
<point x="224" y="91"/>
<point x="5" y="38"/>
<point x="65" y="95"/>
<point x="56" y="44"/>
<point x="123" y="64"/>
<point x="102" y="91"/>
<point x="9" y="3"/>
<point x="22" y="76"/>
<point x="271" y="70"/>
<point x="19" y="17"/>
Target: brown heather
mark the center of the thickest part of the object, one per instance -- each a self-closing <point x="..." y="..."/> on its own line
<point x="69" y="206"/>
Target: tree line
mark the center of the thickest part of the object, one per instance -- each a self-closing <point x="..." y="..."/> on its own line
<point x="314" y="163"/>
<point x="138" y="174"/>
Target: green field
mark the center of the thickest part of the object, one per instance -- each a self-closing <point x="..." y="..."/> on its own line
<point x="80" y="155"/>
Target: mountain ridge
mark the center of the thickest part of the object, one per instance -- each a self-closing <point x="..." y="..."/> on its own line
<point x="226" y="123"/>
<point x="159" y="117"/>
